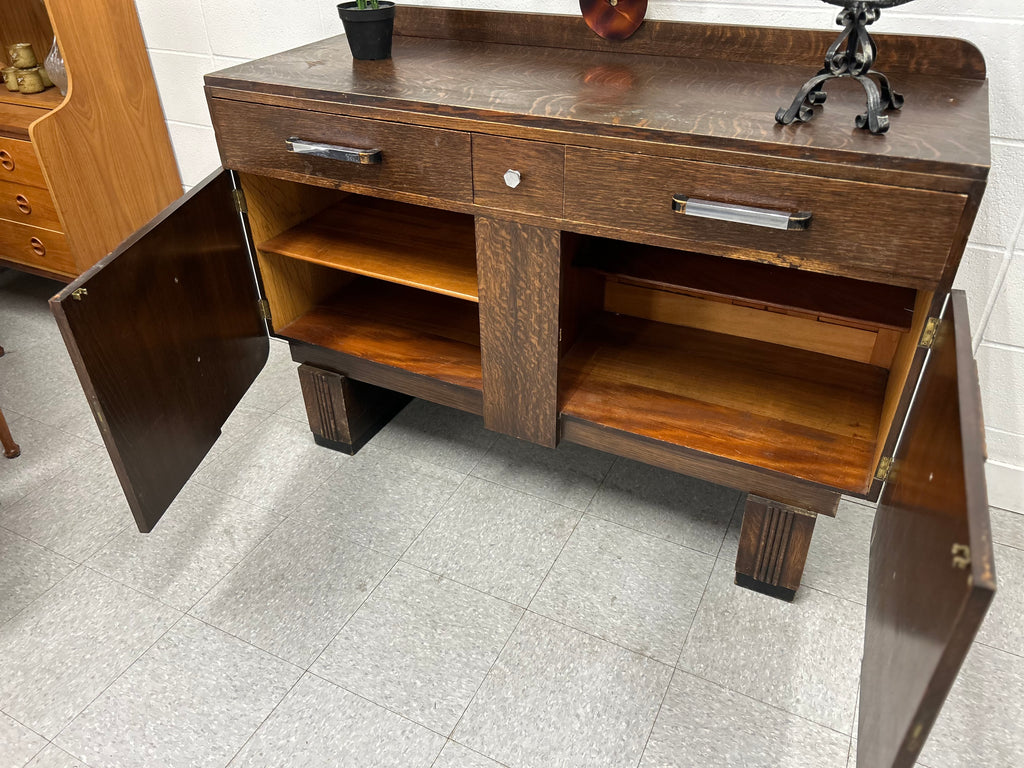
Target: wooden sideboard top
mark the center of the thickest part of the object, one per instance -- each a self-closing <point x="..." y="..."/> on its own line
<point x="718" y="90"/>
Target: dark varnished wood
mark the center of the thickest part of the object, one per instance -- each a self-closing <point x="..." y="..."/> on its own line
<point x="166" y="342"/>
<point x="688" y="101"/>
<point x="776" y="408"/>
<point x="898" y="53"/>
<point x="409" y="245"/>
<point x="540" y="166"/>
<point x="840" y="299"/>
<point x="858" y="230"/>
<point x="519" y="288"/>
<point x="424" y="161"/>
<point x="422" y="334"/>
<point x="774" y="541"/>
<point x="927" y="596"/>
<point x="344" y="414"/>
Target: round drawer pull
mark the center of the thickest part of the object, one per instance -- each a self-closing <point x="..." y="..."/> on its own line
<point x="37" y="246"/>
<point x="513" y="178"/>
<point x="23" y="204"/>
<point x="6" y="160"/>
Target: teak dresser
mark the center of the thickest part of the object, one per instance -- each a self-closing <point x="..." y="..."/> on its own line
<point x="501" y="219"/>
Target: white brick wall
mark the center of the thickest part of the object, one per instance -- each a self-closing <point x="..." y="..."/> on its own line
<point x="188" y="38"/>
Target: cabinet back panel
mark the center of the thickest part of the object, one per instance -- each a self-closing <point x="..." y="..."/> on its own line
<point x="294" y="287"/>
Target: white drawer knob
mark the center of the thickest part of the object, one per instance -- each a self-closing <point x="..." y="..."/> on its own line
<point x="512" y="178"/>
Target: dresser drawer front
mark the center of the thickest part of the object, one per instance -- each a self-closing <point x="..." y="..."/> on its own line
<point x="420" y="161"/>
<point x="18" y="163"/>
<point x="28" y="205"/>
<point x="36" y="247"/>
<point x="516" y="175"/>
<point x="866" y="231"/>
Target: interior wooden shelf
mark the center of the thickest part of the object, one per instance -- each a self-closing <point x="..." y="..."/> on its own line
<point x="415" y="331"/>
<point x="15" y="118"/>
<point x="423" y="248"/>
<point x="838" y="299"/>
<point x="787" y="410"/>
<point x="47" y="99"/>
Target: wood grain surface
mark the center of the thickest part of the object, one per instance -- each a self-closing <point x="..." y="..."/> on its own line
<point x="519" y="311"/>
<point x="19" y="164"/>
<point x="932" y="575"/>
<point x="106" y="153"/>
<point x="774" y="541"/>
<point x="682" y="99"/>
<point x="862" y="231"/>
<point x="42" y="248"/>
<point x="785" y="410"/>
<point x="28" y="205"/>
<point x="409" y="245"/>
<point x="540" y="166"/>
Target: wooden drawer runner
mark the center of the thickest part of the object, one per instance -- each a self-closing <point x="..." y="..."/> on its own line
<point x="28" y="205"/>
<point x="18" y="163"/>
<point x="422" y="161"/>
<point x="866" y="231"/>
<point x="42" y="248"/>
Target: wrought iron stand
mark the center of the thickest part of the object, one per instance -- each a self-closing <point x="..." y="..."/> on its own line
<point x="851" y="55"/>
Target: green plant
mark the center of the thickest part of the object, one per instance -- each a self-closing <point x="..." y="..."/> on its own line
<point x="364" y="4"/>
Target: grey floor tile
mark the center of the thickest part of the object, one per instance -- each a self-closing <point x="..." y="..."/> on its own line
<point x="276" y="469"/>
<point x="420" y="646"/>
<point x="837" y="562"/>
<point x="27" y="571"/>
<point x="24" y="312"/>
<point x="494" y="539"/>
<point x="320" y="725"/>
<point x="636" y="590"/>
<point x="201" y="537"/>
<point x="682" y="509"/>
<point x="18" y="744"/>
<point x="703" y="724"/>
<point x="68" y="645"/>
<point x="981" y="721"/>
<point x="442" y="436"/>
<point x="454" y="755"/>
<point x="559" y="697"/>
<point x="55" y="757"/>
<point x="1003" y="628"/>
<point x="569" y="475"/>
<point x="293" y="593"/>
<point x="191" y="701"/>
<point x="277" y="383"/>
<point x="294" y="409"/>
<point x="34" y="374"/>
<point x="802" y="657"/>
<point x="45" y="453"/>
<point x="76" y="513"/>
<point x="1007" y="527"/>
<point x="242" y="422"/>
<point x="380" y="499"/>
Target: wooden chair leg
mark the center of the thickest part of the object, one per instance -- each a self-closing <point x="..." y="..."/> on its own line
<point x="11" y="448"/>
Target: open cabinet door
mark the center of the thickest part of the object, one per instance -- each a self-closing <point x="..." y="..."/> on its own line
<point x="166" y="336"/>
<point x="932" y="574"/>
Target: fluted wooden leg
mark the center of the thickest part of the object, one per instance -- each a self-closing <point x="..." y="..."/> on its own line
<point x="343" y="413"/>
<point x="774" y="540"/>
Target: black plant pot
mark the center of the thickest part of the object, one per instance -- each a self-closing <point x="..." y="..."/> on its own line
<point x="368" y="31"/>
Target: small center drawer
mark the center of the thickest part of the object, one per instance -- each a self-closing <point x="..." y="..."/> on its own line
<point x="866" y="231"/>
<point x="18" y="163"/>
<point x="422" y="161"/>
<point x="42" y="248"/>
<point x="516" y="175"/>
<point x="28" y="205"/>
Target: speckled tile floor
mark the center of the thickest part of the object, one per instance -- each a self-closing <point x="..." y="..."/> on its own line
<point x="447" y="598"/>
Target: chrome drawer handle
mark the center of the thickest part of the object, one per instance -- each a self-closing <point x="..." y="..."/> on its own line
<point x="741" y="214"/>
<point x="334" y="152"/>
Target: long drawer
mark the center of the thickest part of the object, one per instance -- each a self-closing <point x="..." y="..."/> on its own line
<point x="36" y="247"/>
<point x="18" y="163"/>
<point x="867" y="231"/>
<point x="28" y="205"/>
<point x="423" y="161"/>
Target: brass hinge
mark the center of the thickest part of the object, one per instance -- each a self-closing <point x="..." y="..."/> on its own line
<point x="928" y="334"/>
<point x="264" y="309"/>
<point x="78" y="293"/>
<point x="238" y="197"/>
<point x="884" y="468"/>
<point x="961" y="556"/>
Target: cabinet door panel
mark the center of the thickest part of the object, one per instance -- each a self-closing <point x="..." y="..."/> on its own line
<point x="166" y="336"/>
<point x="932" y="575"/>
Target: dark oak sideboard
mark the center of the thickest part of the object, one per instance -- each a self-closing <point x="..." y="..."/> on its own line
<point x="611" y="244"/>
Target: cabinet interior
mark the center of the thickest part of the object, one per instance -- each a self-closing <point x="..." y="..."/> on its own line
<point x="25" y="21"/>
<point x="778" y="368"/>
